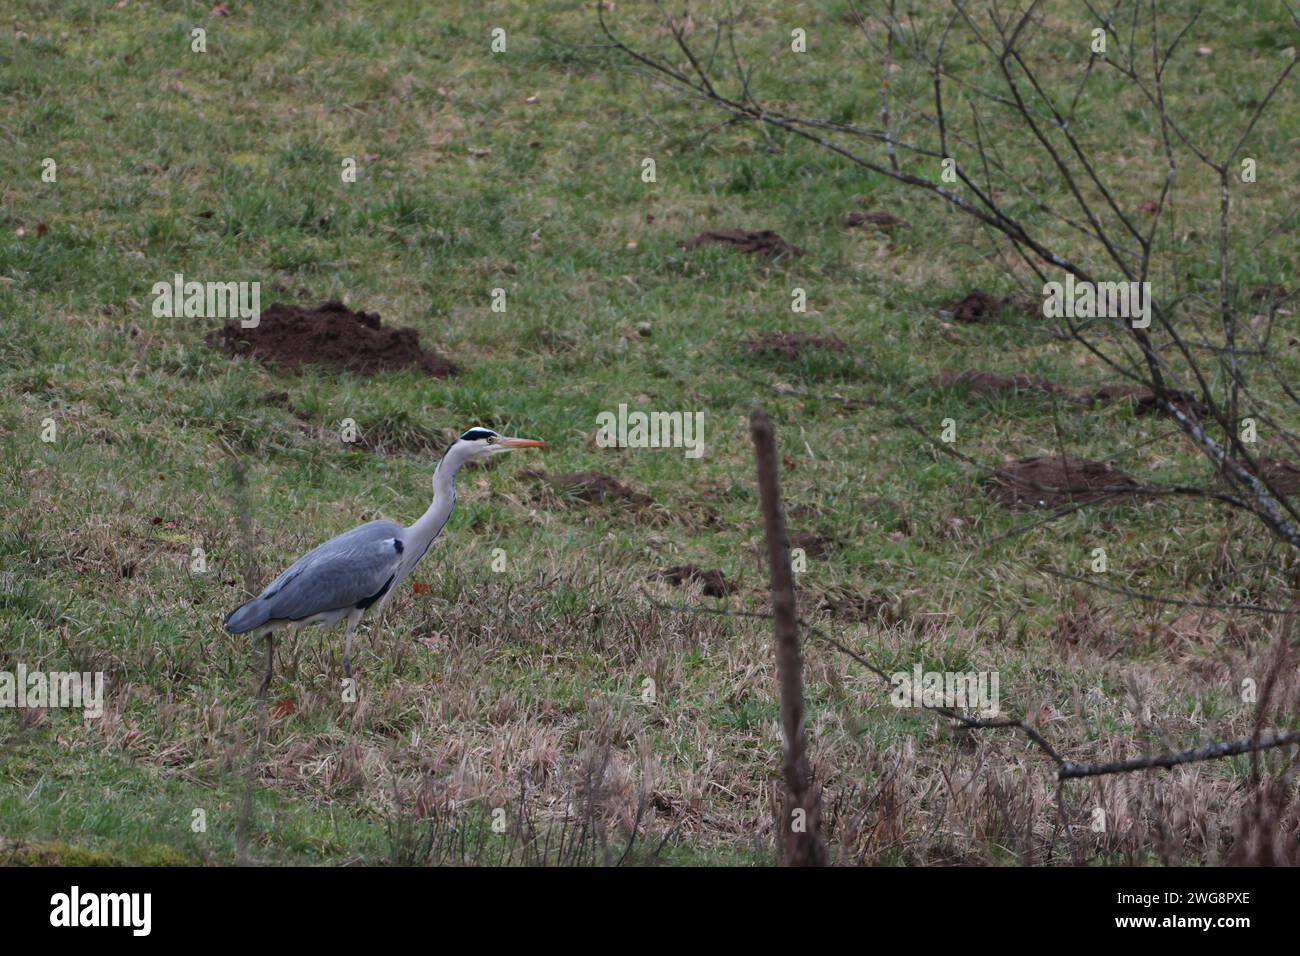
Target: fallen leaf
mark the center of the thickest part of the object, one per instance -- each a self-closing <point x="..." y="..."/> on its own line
<point x="419" y="587"/>
<point x="283" y="708"/>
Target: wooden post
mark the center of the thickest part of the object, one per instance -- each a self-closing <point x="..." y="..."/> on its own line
<point x="800" y="838"/>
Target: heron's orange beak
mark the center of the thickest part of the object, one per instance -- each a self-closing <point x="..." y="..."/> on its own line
<point x="520" y="443"/>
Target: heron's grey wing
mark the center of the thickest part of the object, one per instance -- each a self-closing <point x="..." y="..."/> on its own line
<point x="287" y="592"/>
<point x="370" y="531"/>
<point x="346" y="575"/>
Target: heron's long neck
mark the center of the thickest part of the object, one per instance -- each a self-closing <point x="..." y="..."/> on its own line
<point x="421" y="534"/>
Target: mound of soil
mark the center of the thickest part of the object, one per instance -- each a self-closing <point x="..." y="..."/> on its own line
<point x="1272" y="293"/>
<point x="991" y="383"/>
<point x="980" y="306"/>
<point x="791" y="344"/>
<point x="1052" y="481"/>
<point x="1284" y="475"/>
<point x="876" y="217"/>
<point x="289" y="336"/>
<point x="1143" y="399"/>
<point x="814" y="545"/>
<point x="976" y="307"/>
<point x="713" y="583"/>
<point x="764" y="243"/>
<point x="590" y="486"/>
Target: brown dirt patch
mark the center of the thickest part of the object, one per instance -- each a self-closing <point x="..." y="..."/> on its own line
<point x="791" y="344"/>
<point x="977" y="306"/>
<point x="1272" y="293"/>
<point x="1052" y="481"/>
<point x="713" y="583"/>
<point x="289" y="336"/>
<point x="763" y="243"/>
<point x="1283" y="475"/>
<point x="814" y="545"/>
<point x="386" y="440"/>
<point x="589" y="486"/>
<point x="991" y="383"/>
<point x="876" y="218"/>
<point x="1142" y="398"/>
<point x="981" y="306"/>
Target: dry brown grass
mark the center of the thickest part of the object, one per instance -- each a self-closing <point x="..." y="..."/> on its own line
<point x="438" y="752"/>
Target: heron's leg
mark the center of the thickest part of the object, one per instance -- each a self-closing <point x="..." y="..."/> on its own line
<point x="353" y="617"/>
<point x="377" y="618"/>
<point x="293" y="632"/>
<point x="376" y="621"/>
<point x="270" y="664"/>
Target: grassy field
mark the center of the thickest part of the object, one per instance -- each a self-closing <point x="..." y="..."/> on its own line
<point x="522" y="688"/>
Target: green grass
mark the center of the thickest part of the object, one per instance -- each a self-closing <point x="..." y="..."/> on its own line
<point x="225" y="166"/>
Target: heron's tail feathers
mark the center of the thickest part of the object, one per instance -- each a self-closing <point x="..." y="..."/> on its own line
<point x="247" y="616"/>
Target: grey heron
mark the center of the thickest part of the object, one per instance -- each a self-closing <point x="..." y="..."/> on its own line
<point x="349" y="574"/>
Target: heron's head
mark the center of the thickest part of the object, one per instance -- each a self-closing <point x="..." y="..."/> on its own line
<point x="481" y="442"/>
